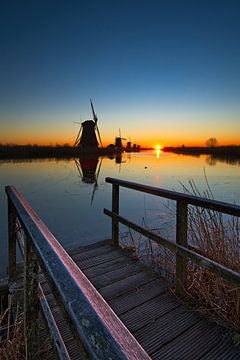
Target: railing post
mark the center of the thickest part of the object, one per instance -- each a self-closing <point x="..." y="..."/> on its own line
<point x="31" y="302"/>
<point x="115" y="209"/>
<point x="181" y="239"/>
<point x="12" y="267"/>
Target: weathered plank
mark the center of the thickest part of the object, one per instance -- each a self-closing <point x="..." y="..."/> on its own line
<point x="123" y="286"/>
<point x="137" y="296"/>
<point x="160" y="322"/>
<point x="149" y="311"/>
<point x="166" y="328"/>
<point x="194" y="343"/>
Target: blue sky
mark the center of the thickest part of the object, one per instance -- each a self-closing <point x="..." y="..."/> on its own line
<point x="162" y="71"/>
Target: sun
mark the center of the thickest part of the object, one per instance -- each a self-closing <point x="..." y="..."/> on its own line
<point x="158" y="147"/>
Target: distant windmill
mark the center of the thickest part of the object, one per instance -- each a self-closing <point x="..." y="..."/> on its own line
<point x="89" y="135"/>
<point x="118" y="142"/>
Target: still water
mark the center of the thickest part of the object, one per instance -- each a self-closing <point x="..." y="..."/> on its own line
<point x="69" y="195"/>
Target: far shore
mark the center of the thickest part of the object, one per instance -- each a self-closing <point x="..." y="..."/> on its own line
<point x="228" y="150"/>
<point x="58" y="151"/>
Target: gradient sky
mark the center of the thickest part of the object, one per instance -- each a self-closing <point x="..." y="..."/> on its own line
<point x="164" y="72"/>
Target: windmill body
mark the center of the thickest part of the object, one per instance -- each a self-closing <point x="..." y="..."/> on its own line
<point x="88" y="137"/>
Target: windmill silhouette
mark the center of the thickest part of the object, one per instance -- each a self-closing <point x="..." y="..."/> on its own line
<point x="88" y="136"/>
<point x="118" y="142"/>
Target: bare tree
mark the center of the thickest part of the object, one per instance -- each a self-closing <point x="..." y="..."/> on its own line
<point x="211" y="142"/>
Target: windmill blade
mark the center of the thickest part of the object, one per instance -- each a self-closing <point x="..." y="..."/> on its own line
<point x="96" y="181"/>
<point x="79" y="168"/>
<point x="78" y="137"/>
<point x="98" y="132"/>
<point x="75" y="122"/>
<point x="95" y="118"/>
<point x="99" y="168"/>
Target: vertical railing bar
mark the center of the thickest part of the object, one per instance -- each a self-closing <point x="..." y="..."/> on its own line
<point x="181" y="239"/>
<point x="12" y="265"/>
<point x="31" y="301"/>
<point x="115" y="209"/>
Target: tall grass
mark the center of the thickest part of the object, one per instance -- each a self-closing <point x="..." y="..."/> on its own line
<point x="12" y="345"/>
<point x="13" y="341"/>
<point x="214" y="235"/>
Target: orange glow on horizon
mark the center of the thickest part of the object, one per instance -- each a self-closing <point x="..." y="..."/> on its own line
<point x="52" y="138"/>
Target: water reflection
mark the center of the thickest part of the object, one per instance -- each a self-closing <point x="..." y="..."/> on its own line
<point x="69" y="195"/>
<point x="228" y="159"/>
<point x="89" y="170"/>
<point x="119" y="161"/>
<point x="158" y="152"/>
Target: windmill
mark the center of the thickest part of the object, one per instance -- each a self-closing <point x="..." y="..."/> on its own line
<point x="89" y="135"/>
<point x="118" y="142"/>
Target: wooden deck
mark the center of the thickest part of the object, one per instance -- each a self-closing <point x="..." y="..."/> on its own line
<point x="164" y="327"/>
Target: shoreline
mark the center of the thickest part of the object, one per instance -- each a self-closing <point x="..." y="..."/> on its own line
<point x="230" y="150"/>
<point x="8" y="152"/>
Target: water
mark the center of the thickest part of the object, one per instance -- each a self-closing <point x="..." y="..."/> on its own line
<point x="73" y="208"/>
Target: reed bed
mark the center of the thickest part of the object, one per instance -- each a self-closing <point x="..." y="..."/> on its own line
<point x="12" y="345"/>
<point x="216" y="236"/>
<point x="212" y="234"/>
<point x="13" y="341"/>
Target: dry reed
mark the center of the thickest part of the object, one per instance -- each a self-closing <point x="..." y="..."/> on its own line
<point x="214" y="235"/>
<point x="13" y="342"/>
<point x="12" y="346"/>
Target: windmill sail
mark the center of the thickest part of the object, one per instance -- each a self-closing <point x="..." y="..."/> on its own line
<point x="95" y="118"/>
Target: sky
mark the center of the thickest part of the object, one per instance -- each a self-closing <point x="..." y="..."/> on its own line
<point x="163" y="71"/>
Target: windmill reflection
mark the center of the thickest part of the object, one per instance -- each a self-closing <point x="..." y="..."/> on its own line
<point x="89" y="169"/>
<point x="118" y="160"/>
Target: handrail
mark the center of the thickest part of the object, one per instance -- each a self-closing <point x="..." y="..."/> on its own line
<point x="210" y="204"/>
<point x="100" y="330"/>
<point x="183" y="252"/>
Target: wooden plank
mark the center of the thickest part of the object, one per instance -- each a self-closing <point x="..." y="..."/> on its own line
<point x="12" y="269"/>
<point x="116" y="275"/>
<point x="220" y="206"/>
<point x="76" y="249"/>
<point x="223" y="351"/>
<point x="54" y="332"/>
<point x="115" y="209"/>
<point x="107" y="266"/>
<point x="166" y="328"/>
<point x="97" y="260"/>
<point x="192" y="344"/>
<point x="123" y="286"/>
<point x="88" y="254"/>
<point x="137" y="296"/>
<point x="31" y="302"/>
<point x="149" y="311"/>
<point x="181" y="239"/>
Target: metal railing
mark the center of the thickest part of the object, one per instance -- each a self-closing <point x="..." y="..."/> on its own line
<point x="95" y="324"/>
<point x="180" y="247"/>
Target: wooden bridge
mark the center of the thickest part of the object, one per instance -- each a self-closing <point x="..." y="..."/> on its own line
<point x="100" y="302"/>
